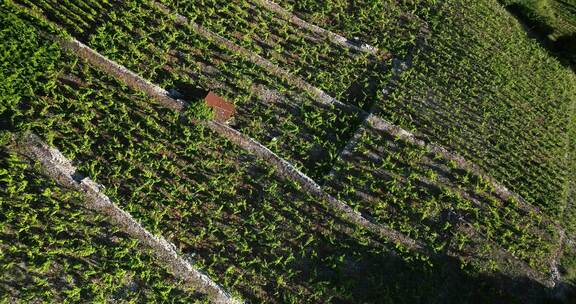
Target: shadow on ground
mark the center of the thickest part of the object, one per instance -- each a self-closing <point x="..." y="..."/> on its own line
<point x="563" y="48"/>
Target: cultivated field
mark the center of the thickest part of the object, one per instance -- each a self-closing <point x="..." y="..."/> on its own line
<point x="381" y="152"/>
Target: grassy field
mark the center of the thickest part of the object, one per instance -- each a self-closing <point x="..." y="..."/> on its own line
<point x="475" y="177"/>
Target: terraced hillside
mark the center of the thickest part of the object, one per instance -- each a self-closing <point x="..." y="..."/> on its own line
<point x="382" y="152"/>
<point x="54" y="249"/>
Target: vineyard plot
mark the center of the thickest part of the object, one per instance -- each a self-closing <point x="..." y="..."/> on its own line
<point x="332" y="68"/>
<point x="221" y="208"/>
<point x="257" y="235"/>
<point x="508" y="115"/>
<point x="471" y="91"/>
<point x="427" y="197"/>
<point x="234" y="215"/>
<point x="52" y="249"/>
<point x="57" y="167"/>
<point x="385" y="25"/>
<point x="290" y="123"/>
<point x="284" y="168"/>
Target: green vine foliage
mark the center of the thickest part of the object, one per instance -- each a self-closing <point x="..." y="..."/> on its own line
<point x="475" y="85"/>
<point x="52" y="249"/>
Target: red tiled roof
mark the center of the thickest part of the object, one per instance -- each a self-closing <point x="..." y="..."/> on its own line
<point x="223" y="109"/>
